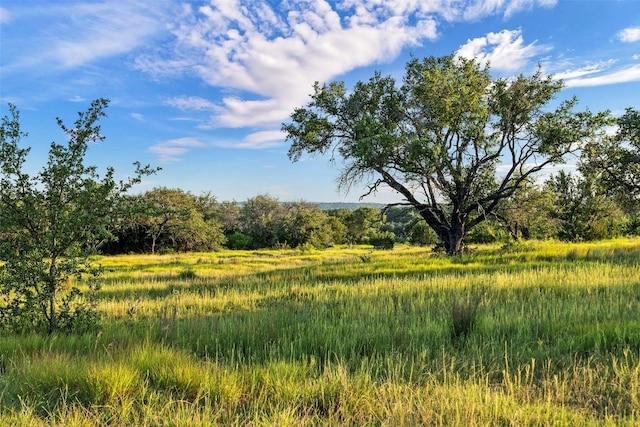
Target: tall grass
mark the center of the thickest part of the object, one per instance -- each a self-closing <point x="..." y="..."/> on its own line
<point x="346" y="336"/>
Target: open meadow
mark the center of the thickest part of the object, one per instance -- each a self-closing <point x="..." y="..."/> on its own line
<point x="542" y="333"/>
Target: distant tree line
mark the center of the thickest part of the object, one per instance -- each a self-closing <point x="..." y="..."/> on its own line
<point x="172" y="220"/>
<point x="567" y="206"/>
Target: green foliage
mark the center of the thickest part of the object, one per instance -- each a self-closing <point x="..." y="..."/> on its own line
<point x="615" y="161"/>
<point x="50" y="225"/>
<point x="228" y="214"/>
<point x="258" y="218"/>
<point x="527" y="213"/>
<point x="437" y="140"/>
<point x="399" y="220"/>
<point x="382" y="240"/>
<point x="421" y="234"/>
<point x="362" y="223"/>
<point x="487" y="232"/>
<point x="583" y="213"/>
<point x="305" y="224"/>
<point x="633" y="226"/>
<point x="175" y="220"/>
<point x="238" y="240"/>
<point x="264" y="222"/>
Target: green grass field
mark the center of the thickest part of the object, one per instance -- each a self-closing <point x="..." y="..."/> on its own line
<point x="347" y="336"/>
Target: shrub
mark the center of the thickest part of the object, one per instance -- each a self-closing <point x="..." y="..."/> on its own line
<point x="238" y="240"/>
<point x="51" y="223"/>
<point x="383" y="240"/>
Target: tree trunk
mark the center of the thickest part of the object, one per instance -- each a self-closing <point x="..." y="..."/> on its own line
<point x="453" y="240"/>
<point x="451" y="235"/>
<point x="153" y="244"/>
<point x="51" y="285"/>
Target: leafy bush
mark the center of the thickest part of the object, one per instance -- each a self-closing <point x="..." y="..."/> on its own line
<point x="421" y="234"/>
<point x="238" y="240"/>
<point x="487" y="232"/>
<point x="383" y="240"/>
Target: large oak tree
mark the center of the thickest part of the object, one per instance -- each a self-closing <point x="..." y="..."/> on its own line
<point x="452" y="141"/>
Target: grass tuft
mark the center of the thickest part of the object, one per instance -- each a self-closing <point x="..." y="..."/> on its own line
<point x="464" y="314"/>
<point x="187" y="274"/>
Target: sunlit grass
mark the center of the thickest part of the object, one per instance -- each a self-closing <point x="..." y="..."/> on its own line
<point x="345" y="336"/>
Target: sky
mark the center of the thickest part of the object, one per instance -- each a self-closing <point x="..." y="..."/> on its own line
<point x="201" y="89"/>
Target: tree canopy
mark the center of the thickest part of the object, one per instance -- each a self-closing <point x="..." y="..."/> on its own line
<point x="51" y="222"/>
<point x="178" y="217"/>
<point x="452" y="141"/>
<point x="616" y="159"/>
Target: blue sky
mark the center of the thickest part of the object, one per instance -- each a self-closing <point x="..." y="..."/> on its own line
<point x="201" y="88"/>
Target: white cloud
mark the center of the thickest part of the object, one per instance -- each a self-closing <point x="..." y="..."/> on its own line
<point x="268" y="138"/>
<point x="586" y="70"/>
<point x="267" y="57"/>
<point x="172" y="150"/>
<point x="5" y="16"/>
<point x="102" y="30"/>
<point x="626" y="74"/>
<point x="516" y="6"/>
<point x="137" y="117"/>
<point x="630" y="35"/>
<point x="256" y="140"/>
<point x="481" y="8"/>
<point x="505" y="51"/>
<point x="83" y="32"/>
<point x="191" y="103"/>
<point x="276" y="56"/>
<point x="237" y="112"/>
